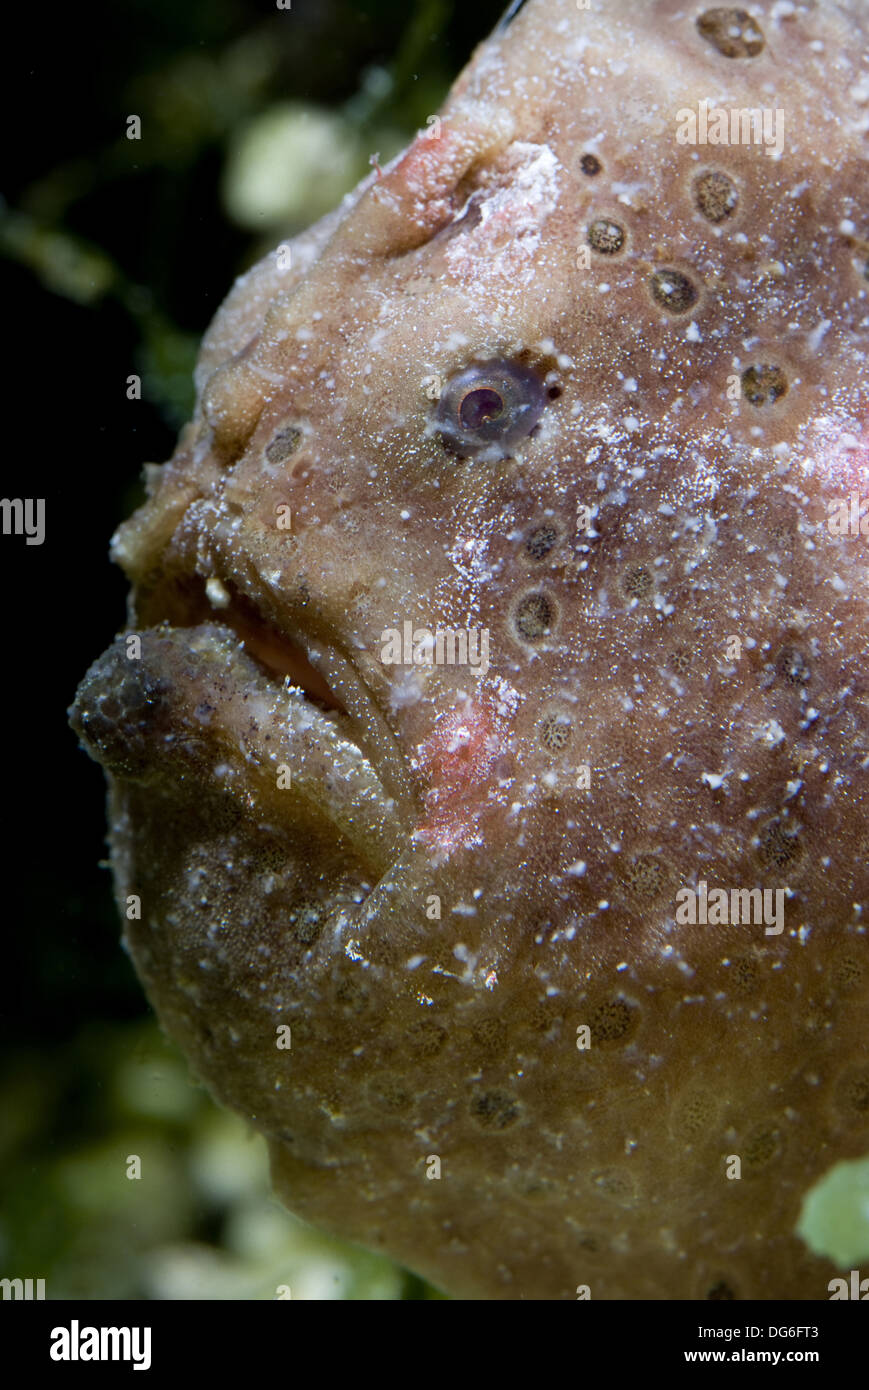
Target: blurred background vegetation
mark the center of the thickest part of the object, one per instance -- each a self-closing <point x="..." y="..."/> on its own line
<point x="114" y="255"/>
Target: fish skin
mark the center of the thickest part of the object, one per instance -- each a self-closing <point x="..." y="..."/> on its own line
<point x="741" y="765"/>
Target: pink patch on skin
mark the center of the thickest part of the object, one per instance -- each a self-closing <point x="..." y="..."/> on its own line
<point x="421" y="185"/>
<point x="424" y="178"/>
<point x="457" y="759"/>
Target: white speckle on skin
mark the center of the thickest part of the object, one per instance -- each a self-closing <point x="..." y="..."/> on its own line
<point x="216" y="592"/>
<point x="816" y="336"/>
<point x="771" y="733"/>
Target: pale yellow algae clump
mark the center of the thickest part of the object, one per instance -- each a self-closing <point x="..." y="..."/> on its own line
<point x="835" y="1216"/>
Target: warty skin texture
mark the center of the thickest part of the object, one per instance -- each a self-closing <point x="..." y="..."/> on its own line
<point x="743" y="766"/>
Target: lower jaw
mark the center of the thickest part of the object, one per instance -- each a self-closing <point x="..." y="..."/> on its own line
<point x="335" y="685"/>
<point x="187" y="713"/>
<point x="247" y="832"/>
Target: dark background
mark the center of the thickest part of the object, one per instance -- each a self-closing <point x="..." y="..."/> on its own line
<point x="114" y="255"/>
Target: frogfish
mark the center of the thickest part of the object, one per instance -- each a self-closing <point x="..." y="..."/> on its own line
<point x="488" y="743"/>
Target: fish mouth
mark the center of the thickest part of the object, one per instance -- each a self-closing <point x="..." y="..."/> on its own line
<point x="188" y="601"/>
<point x="212" y="693"/>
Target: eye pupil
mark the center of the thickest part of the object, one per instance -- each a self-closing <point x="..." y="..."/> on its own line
<point x="489" y="407"/>
<point x="479" y="407"/>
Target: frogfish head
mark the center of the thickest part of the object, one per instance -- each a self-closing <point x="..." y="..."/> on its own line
<point x="499" y="607"/>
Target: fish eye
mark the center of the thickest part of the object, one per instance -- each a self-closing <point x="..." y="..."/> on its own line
<point x="490" y="404"/>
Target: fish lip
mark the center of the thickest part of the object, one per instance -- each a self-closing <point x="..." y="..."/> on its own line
<point x="189" y="716"/>
<point x="269" y="643"/>
<point x="356" y="707"/>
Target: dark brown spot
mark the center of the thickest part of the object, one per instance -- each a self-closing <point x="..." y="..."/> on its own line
<point x="782" y="534"/>
<point x="426" y="1037"/>
<point x="763" y="384"/>
<point x="352" y="995"/>
<point x="490" y="1034"/>
<point x="792" y="667"/>
<point x="284" y="444"/>
<point x="389" y="1093"/>
<point x="543" y="1018"/>
<point x="852" y="1092"/>
<point x="606" y="237"/>
<point x="637" y="582"/>
<point x="541" y="540"/>
<point x="761" y="1146"/>
<point x="846" y="972"/>
<point x="695" y="1116"/>
<point x="673" y="291"/>
<point x="715" y="196"/>
<point x="744" y="972"/>
<point x="555" y="731"/>
<point x="534" y="617"/>
<point x="307" y="926"/>
<point x="779" y="846"/>
<point x="590" y="164"/>
<point x="646" y="877"/>
<point x="494" y="1110"/>
<point x="612" y="1021"/>
<point x="732" y="32"/>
